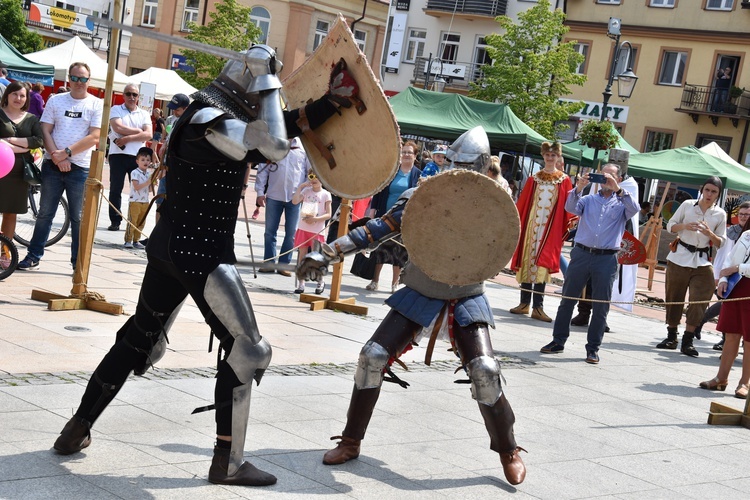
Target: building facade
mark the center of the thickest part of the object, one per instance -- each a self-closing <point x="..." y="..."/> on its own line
<point x="690" y="59"/>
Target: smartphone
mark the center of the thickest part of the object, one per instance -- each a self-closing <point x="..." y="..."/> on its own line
<point x="597" y="178"/>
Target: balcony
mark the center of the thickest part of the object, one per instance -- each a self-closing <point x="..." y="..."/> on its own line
<point x="457" y="75"/>
<point x="701" y="100"/>
<point x="466" y="8"/>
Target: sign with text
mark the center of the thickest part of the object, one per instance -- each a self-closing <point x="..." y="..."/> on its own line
<point x="179" y="62"/>
<point x="60" y="18"/>
<point x="396" y="43"/>
<point x="403" y="4"/>
<point x="593" y="110"/>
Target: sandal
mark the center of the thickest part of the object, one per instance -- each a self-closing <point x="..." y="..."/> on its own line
<point x="741" y="392"/>
<point x="372" y="286"/>
<point x="715" y="384"/>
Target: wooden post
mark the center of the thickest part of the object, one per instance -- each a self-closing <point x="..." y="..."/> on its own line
<point x="334" y="301"/>
<point x="80" y="297"/>
<point x="721" y="414"/>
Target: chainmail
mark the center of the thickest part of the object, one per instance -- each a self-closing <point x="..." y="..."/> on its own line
<point x="216" y="98"/>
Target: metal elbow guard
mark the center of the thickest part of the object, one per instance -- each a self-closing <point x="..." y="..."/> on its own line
<point x="249" y="361"/>
<point x="484" y="373"/>
<point x="340" y="247"/>
<point x="373" y="359"/>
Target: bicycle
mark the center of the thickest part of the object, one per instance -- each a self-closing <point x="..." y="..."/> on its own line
<point x="25" y="222"/>
<point x="8" y="257"/>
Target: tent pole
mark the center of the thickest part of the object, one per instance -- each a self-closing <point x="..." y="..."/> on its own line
<point x="80" y="297"/>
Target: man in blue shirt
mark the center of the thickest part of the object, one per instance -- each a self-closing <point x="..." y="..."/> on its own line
<point x="602" y="222"/>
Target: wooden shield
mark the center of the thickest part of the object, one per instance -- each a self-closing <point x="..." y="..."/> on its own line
<point x="632" y="251"/>
<point x="365" y="146"/>
<point x="460" y="227"/>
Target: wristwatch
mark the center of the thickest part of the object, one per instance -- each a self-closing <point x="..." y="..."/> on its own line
<point x="68" y="152"/>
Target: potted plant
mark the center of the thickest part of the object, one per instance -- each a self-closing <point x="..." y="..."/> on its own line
<point x="734" y="94"/>
<point x="598" y="134"/>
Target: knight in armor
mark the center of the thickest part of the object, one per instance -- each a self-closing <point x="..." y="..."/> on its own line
<point x="414" y="308"/>
<point x="237" y="119"/>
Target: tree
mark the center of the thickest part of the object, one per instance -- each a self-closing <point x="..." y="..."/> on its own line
<point x="230" y="27"/>
<point x="532" y="68"/>
<point x="14" y="30"/>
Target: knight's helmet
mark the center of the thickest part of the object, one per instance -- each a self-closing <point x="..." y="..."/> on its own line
<point x="254" y="87"/>
<point x="470" y="151"/>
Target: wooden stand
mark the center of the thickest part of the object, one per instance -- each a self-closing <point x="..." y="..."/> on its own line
<point x="720" y="414"/>
<point x="652" y="235"/>
<point x="334" y="302"/>
<point x="80" y="297"/>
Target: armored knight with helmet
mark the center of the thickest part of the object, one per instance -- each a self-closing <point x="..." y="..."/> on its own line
<point x="237" y="119"/>
<point x="443" y="292"/>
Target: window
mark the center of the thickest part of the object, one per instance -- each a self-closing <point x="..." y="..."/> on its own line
<point x="661" y="3"/>
<point x="672" y="67"/>
<point x="149" y="13"/>
<point x="610" y="2"/>
<point x="583" y="49"/>
<point x="321" y="31"/>
<point x="658" y="140"/>
<point x="415" y="45"/>
<point x="724" y="143"/>
<point x="481" y="57"/>
<point x="361" y="38"/>
<point x="626" y="58"/>
<point x="262" y="19"/>
<point x="719" y="4"/>
<point x="449" y="47"/>
<point x="191" y="13"/>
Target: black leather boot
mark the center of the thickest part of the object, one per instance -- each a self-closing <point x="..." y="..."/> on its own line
<point x="671" y="341"/>
<point x="75" y="436"/>
<point x="687" y="345"/>
<point x="246" y="475"/>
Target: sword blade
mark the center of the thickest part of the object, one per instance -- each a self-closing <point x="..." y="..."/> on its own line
<point x="176" y="40"/>
<point x="292" y="268"/>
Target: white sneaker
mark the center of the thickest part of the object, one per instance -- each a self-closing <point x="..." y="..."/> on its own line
<point x="138" y="245"/>
<point x="128" y="244"/>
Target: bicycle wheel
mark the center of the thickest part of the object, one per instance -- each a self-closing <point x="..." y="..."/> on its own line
<point x="8" y="257"/>
<point x="25" y="222"/>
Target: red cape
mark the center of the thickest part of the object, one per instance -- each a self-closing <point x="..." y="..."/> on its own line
<point x="552" y="240"/>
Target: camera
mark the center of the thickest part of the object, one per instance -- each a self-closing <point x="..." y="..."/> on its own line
<point x="597" y="178"/>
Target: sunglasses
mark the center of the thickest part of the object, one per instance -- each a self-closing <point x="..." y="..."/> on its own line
<point x="131" y="94"/>
<point x="76" y="79"/>
<point x="312" y="176"/>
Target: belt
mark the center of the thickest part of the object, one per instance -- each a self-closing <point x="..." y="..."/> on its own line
<point x="596" y="251"/>
<point x="693" y="248"/>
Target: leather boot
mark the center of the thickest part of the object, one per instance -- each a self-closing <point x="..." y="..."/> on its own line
<point x="521" y="309"/>
<point x="513" y="466"/>
<point x="75" y="436"/>
<point x="581" y="319"/>
<point x="246" y="475"/>
<point x="687" y="345"/>
<point x="671" y="341"/>
<point x="538" y="313"/>
<point x="346" y="450"/>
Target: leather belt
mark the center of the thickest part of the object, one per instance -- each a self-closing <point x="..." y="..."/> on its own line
<point x="596" y="251"/>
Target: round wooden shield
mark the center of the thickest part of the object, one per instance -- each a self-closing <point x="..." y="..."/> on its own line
<point x="364" y="145"/>
<point x="460" y="227"/>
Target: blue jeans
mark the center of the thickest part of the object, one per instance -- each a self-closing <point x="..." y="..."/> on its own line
<point x="602" y="270"/>
<point x="563" y="265"/>
<point x="274" y="209"/>
<point x="54" y="183"/>
<point x="120" y="166"/>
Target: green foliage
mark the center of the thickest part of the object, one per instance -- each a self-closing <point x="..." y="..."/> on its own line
<point x="532" y="68"/>
<point x="598" y="134"/>
<point x="14" y="30"/>
<point x="230" y="27"/>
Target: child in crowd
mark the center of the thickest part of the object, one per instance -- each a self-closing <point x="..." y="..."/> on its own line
<point x="315" y="211"/>
<point x="140" y="181"/>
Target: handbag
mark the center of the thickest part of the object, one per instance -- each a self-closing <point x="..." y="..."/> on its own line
<point x="363" y="266"/>
<point x="673" y="244"/>
<point x="31" y="173"/>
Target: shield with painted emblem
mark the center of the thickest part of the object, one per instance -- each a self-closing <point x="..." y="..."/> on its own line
<point x="632" y="251"/>
<point x="364" y="141"/>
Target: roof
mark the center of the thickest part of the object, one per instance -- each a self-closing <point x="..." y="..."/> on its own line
<point x="21" y="68"/>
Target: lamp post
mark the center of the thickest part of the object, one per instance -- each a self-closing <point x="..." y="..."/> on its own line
<point x="626" y="80"/>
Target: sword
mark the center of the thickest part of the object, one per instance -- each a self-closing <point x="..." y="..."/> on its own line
<point x="249" y="240"/>
<point x="276" y="266"/>
<point x="176" y="40"/>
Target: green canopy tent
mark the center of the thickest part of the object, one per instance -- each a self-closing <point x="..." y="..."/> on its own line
<point x="587" y="153"/>
<point x="446" y="116"/>
<point x="21" y="69"/>
<point x="688" y="165"/>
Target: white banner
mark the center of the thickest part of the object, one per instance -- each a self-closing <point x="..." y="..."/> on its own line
<point x="395" y="46"/>
<point x="148" y="94"/>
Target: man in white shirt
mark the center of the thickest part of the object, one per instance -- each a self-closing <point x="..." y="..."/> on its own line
<point x="71" y="123"/>
<point x="130" y="128"/>
<point x="275" y="184"/>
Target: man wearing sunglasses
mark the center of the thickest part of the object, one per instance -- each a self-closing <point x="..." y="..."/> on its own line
<point x="130" y="128"/>
<point x="70" y="126"/>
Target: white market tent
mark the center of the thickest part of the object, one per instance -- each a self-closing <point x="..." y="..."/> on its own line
<point x="75" y="50"/>
<point x="715" y="150"/>
<point x="168" y="82"/>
